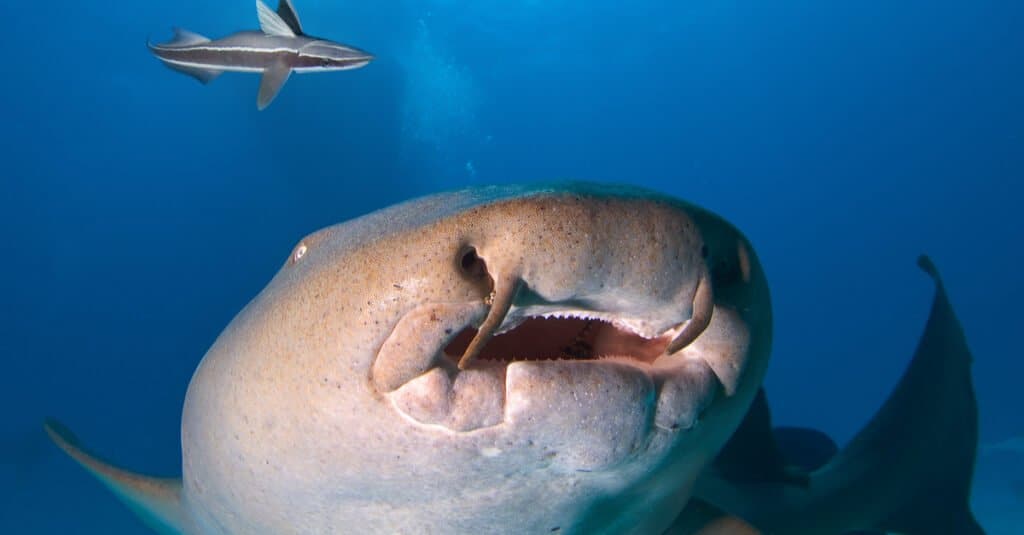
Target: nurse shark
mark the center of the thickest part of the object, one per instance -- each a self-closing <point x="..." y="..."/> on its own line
<point x="519" y="359"/>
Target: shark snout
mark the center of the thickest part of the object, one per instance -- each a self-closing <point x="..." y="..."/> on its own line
<point x="586" y="304"/>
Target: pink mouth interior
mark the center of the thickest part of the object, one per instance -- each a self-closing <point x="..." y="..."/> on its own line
<point x="561" y="339"/>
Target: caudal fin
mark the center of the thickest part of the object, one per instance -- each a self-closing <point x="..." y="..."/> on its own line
<point x="156" y="501"/>
<point x="908" y="471"/>
<point x="927" y="431"/>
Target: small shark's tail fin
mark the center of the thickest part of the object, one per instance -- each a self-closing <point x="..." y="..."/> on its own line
<point x="156" y="501"/>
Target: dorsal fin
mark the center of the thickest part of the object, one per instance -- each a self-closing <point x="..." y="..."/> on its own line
<point x="287" y="12"/>
<point x="271" y="23"/>
<point x="273" y="80"/>
<point x="183" y="37"/>
<point x="156" y="501"/>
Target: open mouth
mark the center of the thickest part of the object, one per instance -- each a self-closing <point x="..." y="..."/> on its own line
<point x="559" y="338"/>
<point x="530" y="362"/>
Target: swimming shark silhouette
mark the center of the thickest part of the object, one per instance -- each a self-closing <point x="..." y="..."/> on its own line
<point x="278" y="50"/>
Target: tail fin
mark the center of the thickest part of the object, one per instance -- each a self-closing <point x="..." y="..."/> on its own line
<point x="156" y="501"/>
<point x="926" y="432"/>
<point x="909" y="470"/>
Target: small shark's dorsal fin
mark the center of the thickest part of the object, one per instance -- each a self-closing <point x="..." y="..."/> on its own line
<point x="156" y="501"/>
<point x="273" y="80"/>
<point x="271" y="23"/>
<point x="287" y="12"/>
<point x="183" y="37"/>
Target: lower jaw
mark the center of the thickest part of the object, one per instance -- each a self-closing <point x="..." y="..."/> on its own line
<point x="590" y="413"/>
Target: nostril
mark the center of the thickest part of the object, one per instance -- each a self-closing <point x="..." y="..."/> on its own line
<point x="471" y="264"/>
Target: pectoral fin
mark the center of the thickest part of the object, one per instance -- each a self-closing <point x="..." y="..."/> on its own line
<point x="272" y="82"/>
<point x="156" y="501"/>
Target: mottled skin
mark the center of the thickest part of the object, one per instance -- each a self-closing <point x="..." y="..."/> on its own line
<point x="326" y="405"/>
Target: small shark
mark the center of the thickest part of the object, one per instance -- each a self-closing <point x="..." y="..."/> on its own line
<point x="278" y="50"/>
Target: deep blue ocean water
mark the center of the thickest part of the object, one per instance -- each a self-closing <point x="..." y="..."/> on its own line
<point x="140" y="210"/>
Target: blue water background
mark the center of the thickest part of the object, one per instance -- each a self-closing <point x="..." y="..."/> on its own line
<point x="139" y="210"/>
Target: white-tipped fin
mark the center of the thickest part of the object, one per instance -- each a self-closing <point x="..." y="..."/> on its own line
<point x="271" y="23"/>
<point x="273" y="80"/>
<point x="156" y="501"/>
<point x="288" y="14"/>
<point x="183" y="37"/>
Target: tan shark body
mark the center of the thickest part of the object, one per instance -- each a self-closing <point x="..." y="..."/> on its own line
<point x="559" y="359"/>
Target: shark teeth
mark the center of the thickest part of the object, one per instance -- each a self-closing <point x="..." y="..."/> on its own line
<point x="416" y="366"/>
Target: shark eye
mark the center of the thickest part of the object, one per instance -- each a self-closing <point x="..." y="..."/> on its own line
<point x="300" y="251"/>
<point x="325" y="62"/>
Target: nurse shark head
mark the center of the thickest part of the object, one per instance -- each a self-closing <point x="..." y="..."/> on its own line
<point x="560" y="358"/>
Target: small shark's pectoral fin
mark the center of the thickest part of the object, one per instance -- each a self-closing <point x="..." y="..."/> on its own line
<point x="271" y="23"/>
<point x="287" y="12"/>
<point x="156" y="501"/>
<point x="273" y="80"/>
<point x="204" y="76"/>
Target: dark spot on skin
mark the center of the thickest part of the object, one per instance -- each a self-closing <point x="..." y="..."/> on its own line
<point x="556" y="528"/>
<point x="448" y="331"/>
